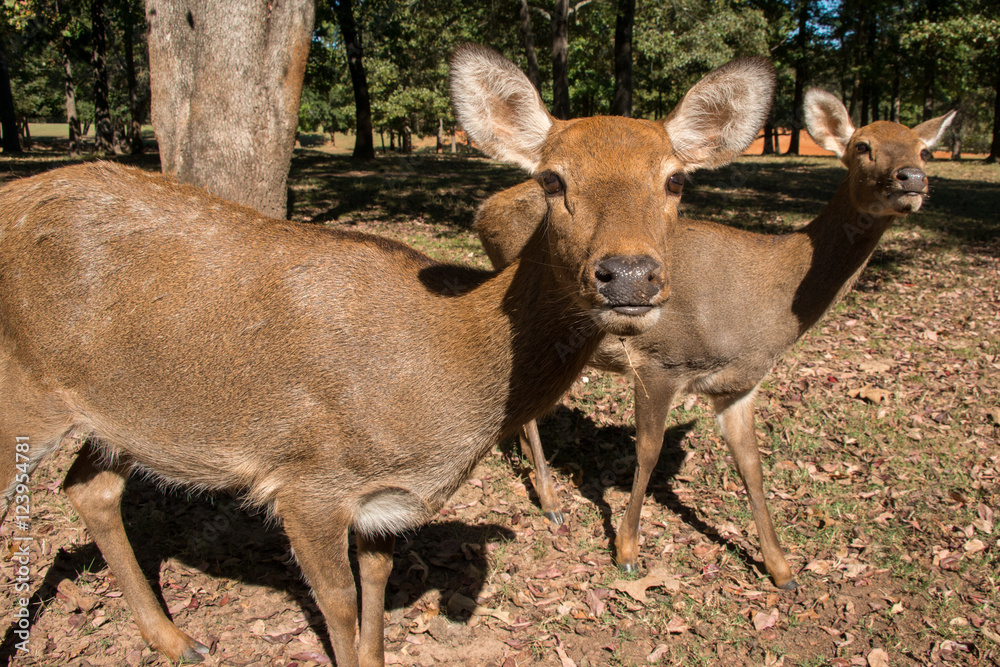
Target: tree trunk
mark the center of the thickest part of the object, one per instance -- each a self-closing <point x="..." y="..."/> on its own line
<point x="894" y="104"/>
<point x="995" y="146"/>
<point x="930" y="72"/>
<point x="364" y="143"/>
<point x="226" y="81"/>
<point x="622" y="104"/>
<point x="802" y="42"/>
<point x="72" y="118"/>
<point x="534" y="75"/>
<point x="454" y="141"/>
<point x="8" y="118"/>
<point x="104" y="132"/>
<point x="135" y="127"/>
<point x="768" y="138"/>
<point x="560" y="60"/>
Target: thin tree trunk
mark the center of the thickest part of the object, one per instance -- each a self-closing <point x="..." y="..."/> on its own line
<point x="560" y="60"/>
<point x="72" y="118"/>
<point x="768" y="138"/>
<point x="995" y="146"/>
<point x="894" y="105"/>
<point x="8" y="119"/>
<point x="802" y="40"/>
<point x="135" y="129"/>
<point x="104" y="136"/>
<point x="930" y="72"/>
<point x="364" y="144"/>
<point x="534" y="75"/>
<point x="624" y="23"/>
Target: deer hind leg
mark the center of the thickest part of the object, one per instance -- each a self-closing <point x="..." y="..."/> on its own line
<point x="375" y="565"/>
<point x="95" y="489"/>
<point x="319" y="541"/>
<point x="735" y="417"/>
<point x="653" y="397"/>
<point x="531" y="445"/>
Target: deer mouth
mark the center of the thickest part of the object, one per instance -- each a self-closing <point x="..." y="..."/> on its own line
<point x="626" y="320"/>
<point x="907" y="201"/>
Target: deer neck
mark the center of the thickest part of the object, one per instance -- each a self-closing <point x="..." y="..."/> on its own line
<point x="537" y="336"/>
<point x="837" y="246"/>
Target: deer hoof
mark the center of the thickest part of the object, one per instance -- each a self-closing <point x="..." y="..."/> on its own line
<point x="629" y="568"/>
<point x="555" y="517"/>
<point x="789" y="585"/>
<point x="194" y="654"/>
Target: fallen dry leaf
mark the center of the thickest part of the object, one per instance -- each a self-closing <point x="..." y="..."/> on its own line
<point x="459" y="602"/>
<point x="677" y="626"/>
<point x="870" y="393"/>
<point x="878" y="658"/>
<point x="658" y="578"/>
<point x="658" y="652"/>
<point x="762" y="621"/>
<point x="564" y="659"/>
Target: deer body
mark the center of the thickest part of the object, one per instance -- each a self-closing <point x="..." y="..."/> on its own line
<point x="344" y="381"/>
<point x="738" y="301"/>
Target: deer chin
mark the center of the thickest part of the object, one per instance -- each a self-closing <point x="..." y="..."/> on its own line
<point x="625" y="320"/>
<point x="905" y="203"/>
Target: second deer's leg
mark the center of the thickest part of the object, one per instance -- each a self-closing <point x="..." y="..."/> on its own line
<point x="95" y="490"/>
<point x="735" y="417"/>
<point x="531" y="445"/>
<point x="653" y="397"/>
<point x="375" y="565"/>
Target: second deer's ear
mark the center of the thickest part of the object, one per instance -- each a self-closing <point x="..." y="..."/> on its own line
<point x="498" y="107"/>
<point x="827" y="121"/>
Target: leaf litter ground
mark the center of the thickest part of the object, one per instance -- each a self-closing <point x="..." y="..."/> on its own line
<point x="879" y="431"/>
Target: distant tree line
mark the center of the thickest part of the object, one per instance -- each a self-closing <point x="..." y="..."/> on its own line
<point x="379" y="67"/>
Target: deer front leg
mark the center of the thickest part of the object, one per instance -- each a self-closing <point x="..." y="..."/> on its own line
<point x="653" y="396"/>
<point x="95" y="491"/>
<point x="531" y="445"/>
<point x="735" y="416"/>
<point x="319" y="542"/>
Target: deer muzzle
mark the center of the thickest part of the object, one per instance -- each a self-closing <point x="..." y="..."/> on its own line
<point x="630" y="284"/>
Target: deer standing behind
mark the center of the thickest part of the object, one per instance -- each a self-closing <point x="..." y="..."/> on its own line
<point x="342" y="380"/>
<point x="738" y="301"/>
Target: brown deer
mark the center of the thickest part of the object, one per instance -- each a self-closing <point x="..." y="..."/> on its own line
<point x="738" y="301"/>
<point x="341" y="380"/>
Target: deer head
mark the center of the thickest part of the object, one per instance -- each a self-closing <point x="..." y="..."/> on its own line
<point x="603" y="169"/>
<point x="885" y="159"/>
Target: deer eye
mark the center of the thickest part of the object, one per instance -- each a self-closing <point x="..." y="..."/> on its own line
<point x="675" y="184"/>
<point x="551" y="183"/>
<point x="862" y="148"/>
<point x="925" y="155"/>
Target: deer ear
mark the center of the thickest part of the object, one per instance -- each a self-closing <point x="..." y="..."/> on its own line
<point x="827" y="120"/>
<point x="931" y="131"/>
<point x="497" y="106"/>
<point x="720" y="116"/>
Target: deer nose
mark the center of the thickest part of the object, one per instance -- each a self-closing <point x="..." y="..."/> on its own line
<point x="911" y="179"/>
<point x="629" y="283"/>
